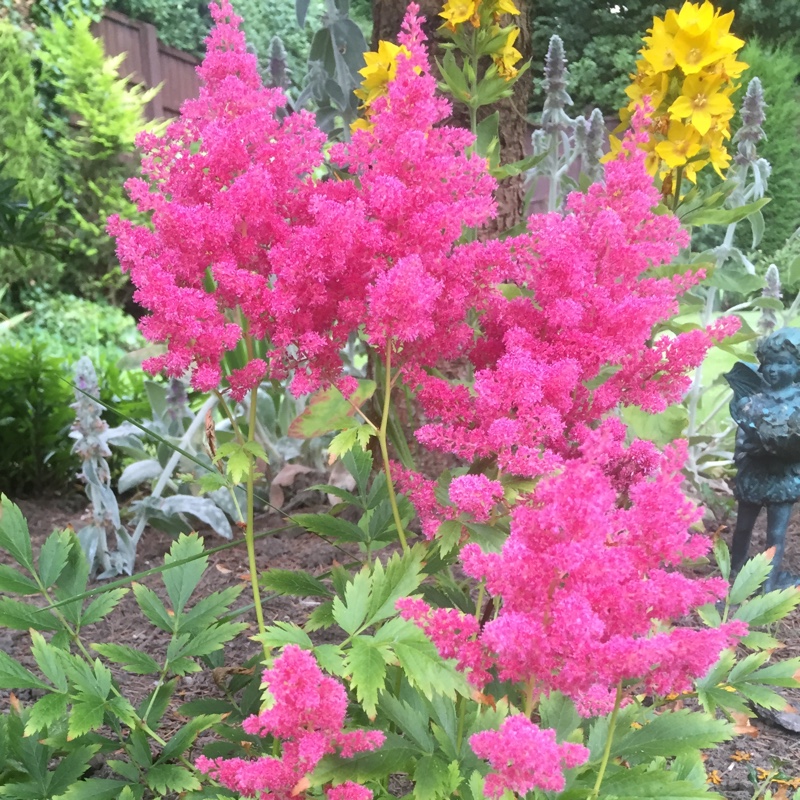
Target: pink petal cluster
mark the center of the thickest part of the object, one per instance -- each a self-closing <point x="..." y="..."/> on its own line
<point x="525" y="757"/>
<point x="307" y="715"/>
<point x="476" y="495"/>
<point x="245" y="241"/>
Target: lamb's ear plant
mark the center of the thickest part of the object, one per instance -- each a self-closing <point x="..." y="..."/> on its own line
<point x="80" y="708"/>
<point x="564" y="145"/>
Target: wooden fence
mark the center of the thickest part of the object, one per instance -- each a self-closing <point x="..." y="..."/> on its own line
<point x="150" y="62"/>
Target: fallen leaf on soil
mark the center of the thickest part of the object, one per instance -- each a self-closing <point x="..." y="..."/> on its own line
<point x="741" y="755"/>
<point x="742" y="725"/>
<point x="222" y="569"/>
<point x="341" y="479"/>
<point x="285" y="478"/>
<point x="781" y="793"/>
<point x="714" y="778"/>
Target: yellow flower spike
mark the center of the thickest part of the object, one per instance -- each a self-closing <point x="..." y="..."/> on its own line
<point x="683" y="143"/>
<point x="456" y="12"/>
<point x="700" y="101"/>
<point x="507" y="56"/>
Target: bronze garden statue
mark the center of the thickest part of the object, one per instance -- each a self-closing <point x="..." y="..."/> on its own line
<point x="766" y="407"/>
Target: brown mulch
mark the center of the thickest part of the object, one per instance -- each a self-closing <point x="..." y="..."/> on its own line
<point x="737" y="764"/>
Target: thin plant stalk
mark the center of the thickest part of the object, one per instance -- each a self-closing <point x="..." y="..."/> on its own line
<point x="249" y="526"/>
<point x="382" y="440"/>
<point x="612" y="723"/>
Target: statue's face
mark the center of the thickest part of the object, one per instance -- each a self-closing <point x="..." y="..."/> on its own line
<point x="780" y="370"/>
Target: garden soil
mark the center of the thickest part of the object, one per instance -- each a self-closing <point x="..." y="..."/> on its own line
<point x="739" y="770"/>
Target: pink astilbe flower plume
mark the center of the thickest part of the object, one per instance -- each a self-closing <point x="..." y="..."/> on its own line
<point x="245" y="242"/>
<point x="307" y="715"/>
<point x="525" y="757"/>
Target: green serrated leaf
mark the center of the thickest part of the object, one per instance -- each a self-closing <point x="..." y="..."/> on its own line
<point x="237" y="466"/>
<point x="328" y="410"/>
<point x="102" y="606"/>
<point x="758" y="640"/>
<point x="184" y="737"/>
<point x="170" y="778"/>
<point x="94" y="789"/>
<point x="422" y="665"/>
<point x="752" y="575"/>
<point x="769" y="607"/>
<point x="280" y="634"/>
<point x="14" y="582"/>
<point x="86" y="715"/>
<point x="710" y="615"/>
<point x="672" y="734"/>
<point x="723" y="557"/>
<point x="14" y="536"/>
<point x="211" y="481"/>
<point x="558" y="712"/>
<point x="20" y="616"/>
<point x="181" y="581"/>
<point x="293" y="582"/>
<point x="53" y="556"/>
<point x="351" y="612"/>
<point x="131" y="659"/>
<point x="14" y="676"/>
<point x="325" y="525"/>
<point x="152" y="607"/>
<point x="431" y="778"/>
<point x="70" y="768"/>
<point x="45" y="711"/>
<point x="402" y="575"/>
<point x="366" y="665"/>
<point x="48" y="659"/>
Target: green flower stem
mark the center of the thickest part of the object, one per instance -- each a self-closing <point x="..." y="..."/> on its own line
<point x="479" y="602"/>
<point x="248" y="533"/>
<point x="607" y="751"/>
<point x="387" y="399"/>
<point x="678" y="182"/>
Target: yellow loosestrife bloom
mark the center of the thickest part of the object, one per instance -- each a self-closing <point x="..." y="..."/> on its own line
<point x="686" y="74"/>
<point x="507" y="56"/>
<point x="477" y="12"/>
<point x="379" y="72"/>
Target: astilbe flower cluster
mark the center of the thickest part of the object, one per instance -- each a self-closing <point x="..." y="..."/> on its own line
<point x="243" y="239"/>
<point x="307" y="715"/>
<point x="525" y="757"/>
<point x="575" y="339"/>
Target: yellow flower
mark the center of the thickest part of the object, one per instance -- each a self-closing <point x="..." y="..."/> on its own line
<point x="507" y="56"/>
<point x="457" y="11"/>
<point x="682" y="143"/>
<point x="660" y="54"/>
<point x="381" y="69"/>
<point x="500" y="7"/>
<point x="695" y="19"/>
<point x="700" y="101"/>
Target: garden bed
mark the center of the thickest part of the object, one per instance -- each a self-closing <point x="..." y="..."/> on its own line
<point x="737" y="763"/>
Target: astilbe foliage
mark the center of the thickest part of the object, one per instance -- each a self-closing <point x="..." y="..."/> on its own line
<point x="307" y="716"/>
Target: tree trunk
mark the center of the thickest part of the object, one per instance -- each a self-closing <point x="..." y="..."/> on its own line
<point x="514" y="130"/>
